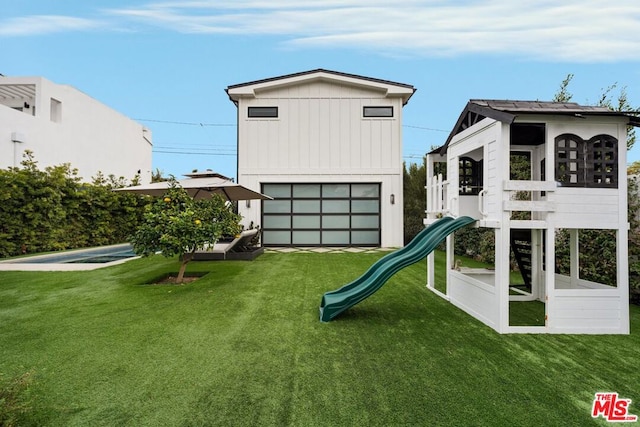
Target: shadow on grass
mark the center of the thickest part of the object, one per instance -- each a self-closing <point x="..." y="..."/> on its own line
<point x="169" y="279"/>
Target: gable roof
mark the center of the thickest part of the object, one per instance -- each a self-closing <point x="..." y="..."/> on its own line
<point x="251" y="88"/>
<point x="506" y="111"/>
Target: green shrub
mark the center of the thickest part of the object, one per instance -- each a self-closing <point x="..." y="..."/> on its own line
<point x="50" y="210"/>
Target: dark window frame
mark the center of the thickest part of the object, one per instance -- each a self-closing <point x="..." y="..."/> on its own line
<point x="374" y="111"/>
<point x="470" y="180"/>
<point x="267" y="112"/>
<point x="322" y="198"/>
<point x="593" y="163"/>
<point x="604" y="161"/>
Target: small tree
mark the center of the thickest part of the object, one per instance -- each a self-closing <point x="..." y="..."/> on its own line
<point x="177" y="224"/>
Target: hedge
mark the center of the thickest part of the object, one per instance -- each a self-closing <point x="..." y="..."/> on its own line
<point x="51" y="209"/>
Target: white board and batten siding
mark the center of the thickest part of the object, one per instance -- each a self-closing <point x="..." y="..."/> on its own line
<point x="321" y="136"/>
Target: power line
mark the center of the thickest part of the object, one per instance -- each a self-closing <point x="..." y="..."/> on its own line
<point x="203" y="124"/>
<point x="199" y="153"/>
<point x="181" y="145"/>
<point x="193" y="153"/>
<point x="186" y="123"/>
<point x="425" y="128"/>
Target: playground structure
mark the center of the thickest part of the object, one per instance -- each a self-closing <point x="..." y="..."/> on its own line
<point x="575" y="167"/>
<point x="526" y="171"/>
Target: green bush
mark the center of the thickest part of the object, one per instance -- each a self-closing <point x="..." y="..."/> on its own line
<point x="50" y="210"/>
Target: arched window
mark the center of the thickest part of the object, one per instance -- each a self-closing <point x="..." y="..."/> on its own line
<point x="605" y="161"/>
<point x="570" y="160"/>
<point x="592" y="163"/>
<point x="470" y="176"/>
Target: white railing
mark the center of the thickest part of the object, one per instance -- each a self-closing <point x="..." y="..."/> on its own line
<point x="437" y="195"/>
<point x="539" y="196"/>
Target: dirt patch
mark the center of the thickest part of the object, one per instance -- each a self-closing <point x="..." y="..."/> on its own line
<point x="171" y="280"/>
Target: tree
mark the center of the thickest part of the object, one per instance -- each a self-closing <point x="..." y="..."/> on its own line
<point x="563" y="94"/>
<point x="414" y="195"/>
<point x="621" y="104"/>
<point x="634" y="168"/>
<point x="177" y="224"/>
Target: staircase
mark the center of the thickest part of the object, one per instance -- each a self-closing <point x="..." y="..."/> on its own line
<point x="521" y="247"/>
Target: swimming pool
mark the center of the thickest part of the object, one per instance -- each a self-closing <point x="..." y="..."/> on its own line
<point x="81" y="259"/>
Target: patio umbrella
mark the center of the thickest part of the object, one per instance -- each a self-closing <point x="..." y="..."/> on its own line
<point x="200" y="188"/>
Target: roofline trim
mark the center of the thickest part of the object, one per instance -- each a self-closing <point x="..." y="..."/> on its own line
<point x="320" y="70"/>
<point x="405" y="91"/>
<point x="506" y="116"/>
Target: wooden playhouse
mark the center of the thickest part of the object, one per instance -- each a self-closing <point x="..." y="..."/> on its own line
<point x="575" y="180"/>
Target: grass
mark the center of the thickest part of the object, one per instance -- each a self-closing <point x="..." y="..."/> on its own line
<point x="243" y="346"/>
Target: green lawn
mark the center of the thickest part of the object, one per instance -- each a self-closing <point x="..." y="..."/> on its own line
<point x="242" y="346"/>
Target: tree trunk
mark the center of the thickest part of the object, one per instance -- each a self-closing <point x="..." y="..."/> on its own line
<point x="183" y="266"/>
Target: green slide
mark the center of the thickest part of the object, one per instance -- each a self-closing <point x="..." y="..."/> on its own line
<point x="335" y="302"/>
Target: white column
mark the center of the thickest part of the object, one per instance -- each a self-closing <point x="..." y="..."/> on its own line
<point x="574" y="257"/>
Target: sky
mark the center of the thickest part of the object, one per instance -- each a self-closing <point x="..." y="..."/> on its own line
<point x="166" y="64"/>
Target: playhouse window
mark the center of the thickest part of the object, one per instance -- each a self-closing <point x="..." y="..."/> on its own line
<point x="470" y="175"/>
<point x="605" y="161"/>
<point x="592" y="163"/>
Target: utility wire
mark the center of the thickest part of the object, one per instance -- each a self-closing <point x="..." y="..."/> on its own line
<point x="425" y="128"/>
<point x="193" y="153"/>
<point x="202" y="124"/>
<point x="185" y="123"/>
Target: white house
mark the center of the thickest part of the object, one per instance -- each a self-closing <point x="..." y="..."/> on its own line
<point x="327" y="146"/>
<point x="575" y="163"/>
<point x="60" y="124"/>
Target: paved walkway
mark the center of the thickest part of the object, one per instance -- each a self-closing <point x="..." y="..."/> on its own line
<point x="328" y="250"/>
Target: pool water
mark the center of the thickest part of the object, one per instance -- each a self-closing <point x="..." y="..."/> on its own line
<point x="84" y="256"/>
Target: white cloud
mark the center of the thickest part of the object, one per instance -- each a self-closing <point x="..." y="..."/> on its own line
<point x="45" y="24"/>
<point x="571" y="30"/>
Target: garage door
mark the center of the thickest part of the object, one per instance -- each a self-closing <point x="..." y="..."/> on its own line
<point x="344" y="214"/>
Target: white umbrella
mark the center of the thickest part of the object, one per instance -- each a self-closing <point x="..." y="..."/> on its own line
<point x="200" y="188"/>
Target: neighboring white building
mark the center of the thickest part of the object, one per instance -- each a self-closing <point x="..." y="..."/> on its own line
<point x="60" y="124"/>
<point x="327" y="146"/>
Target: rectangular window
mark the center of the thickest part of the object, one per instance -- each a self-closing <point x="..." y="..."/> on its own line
<point x="377" y="111"/>
<point x="262" y="112"/>
<point x="56" y="110"/>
